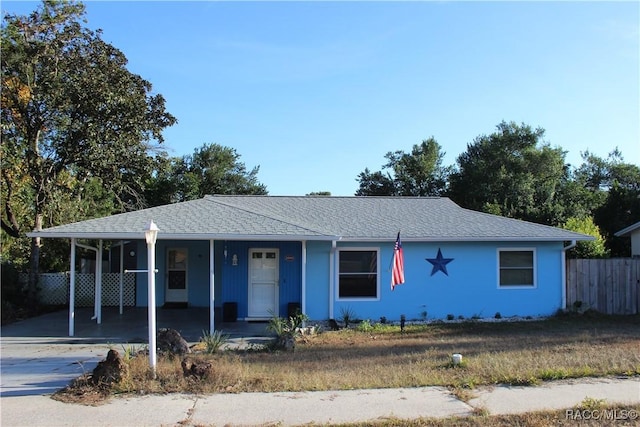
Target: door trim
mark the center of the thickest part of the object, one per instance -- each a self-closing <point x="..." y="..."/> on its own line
<point x="276" y="287"/>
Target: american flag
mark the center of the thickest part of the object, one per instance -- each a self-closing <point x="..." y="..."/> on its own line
<point x="397" y="274"/>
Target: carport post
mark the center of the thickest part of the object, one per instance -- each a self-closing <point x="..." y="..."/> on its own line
<point x="150" y="235"/>
<point x="72" y="287"/>
<point x="211" y="288"/>
<point x="99" y="283"/>
<point x="121" y="272"/>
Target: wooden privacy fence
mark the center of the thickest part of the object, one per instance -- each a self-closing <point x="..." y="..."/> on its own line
<point x="610" y="286"/>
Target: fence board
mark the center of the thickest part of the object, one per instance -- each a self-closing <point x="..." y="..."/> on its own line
<point x="610" y="286"/>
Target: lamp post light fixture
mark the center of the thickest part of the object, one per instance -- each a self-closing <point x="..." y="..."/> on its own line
<point x="150" y="235"/>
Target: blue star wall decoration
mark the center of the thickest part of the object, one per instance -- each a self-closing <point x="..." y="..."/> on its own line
<point x="439" y="263"/>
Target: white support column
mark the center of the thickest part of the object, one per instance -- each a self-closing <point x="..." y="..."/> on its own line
<point x="96" y="292"/>
<point x="212" y="296"/>
<point x="72" y="288"/>
<point x="121" y="272"/>
<point x="151" y="235"/>
<point x="99" y="283"/>
<point x="303" y="304"/>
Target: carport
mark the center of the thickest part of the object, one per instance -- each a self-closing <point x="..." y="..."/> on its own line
<point x="128" y="327"/>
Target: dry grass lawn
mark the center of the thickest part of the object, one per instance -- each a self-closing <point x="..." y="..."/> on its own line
<point x="522" y="353"/>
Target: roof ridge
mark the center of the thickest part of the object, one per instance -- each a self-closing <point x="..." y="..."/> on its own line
<point x="213" y="199"/>
<point x="317" y="196"/>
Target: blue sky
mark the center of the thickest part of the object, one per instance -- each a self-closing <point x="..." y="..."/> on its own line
<point x="315" y="92"/>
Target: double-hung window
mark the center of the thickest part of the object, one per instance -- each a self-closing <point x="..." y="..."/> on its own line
<point x="516" y="268"/>
<point x="358" y="273"/>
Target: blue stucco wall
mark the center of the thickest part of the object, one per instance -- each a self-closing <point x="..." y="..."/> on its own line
<point x="235" y="278"/>
<point x="231" y="281"/>
<point x="470" y="288"/>
<point x="317" y="294"/>
<point x="197" y="275"/>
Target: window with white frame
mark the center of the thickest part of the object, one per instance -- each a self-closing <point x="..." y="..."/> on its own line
<point x="516" y="268"/>
<point x="358" y="273"/>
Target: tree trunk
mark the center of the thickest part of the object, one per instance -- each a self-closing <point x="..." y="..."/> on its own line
<point x="34" y="267"/>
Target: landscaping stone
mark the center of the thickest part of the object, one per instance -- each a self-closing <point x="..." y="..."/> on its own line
<point x="110" y="370"/>
<point x="170" y="340"/>
<point x="195" y="368"/>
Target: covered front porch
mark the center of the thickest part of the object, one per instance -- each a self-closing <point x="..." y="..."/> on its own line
<point x="221" y="280"/>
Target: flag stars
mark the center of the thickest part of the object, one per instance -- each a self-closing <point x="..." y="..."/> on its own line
<point x="439" y="263"/>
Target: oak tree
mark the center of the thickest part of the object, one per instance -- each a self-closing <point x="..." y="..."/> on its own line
<point x="73" y="115"/>
<point x="418" y="173"/>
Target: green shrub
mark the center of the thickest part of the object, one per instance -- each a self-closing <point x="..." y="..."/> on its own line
<point x="287" y="330"/>
<point x="347" y="315"/>
<point x="365" y="326"/>
<point x="213" y="341"/>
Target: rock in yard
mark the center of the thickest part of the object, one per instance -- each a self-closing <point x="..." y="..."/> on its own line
<point x="194" y="368"/>
<point x="287" y="342"/>
<point x="110" y="370"/>
<point x="171" y="341"/>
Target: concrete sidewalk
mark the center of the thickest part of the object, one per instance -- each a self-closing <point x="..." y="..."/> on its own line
<point x="324" y="407"/>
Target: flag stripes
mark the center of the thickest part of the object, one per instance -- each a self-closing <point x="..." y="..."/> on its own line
<point x="397" y="274"/>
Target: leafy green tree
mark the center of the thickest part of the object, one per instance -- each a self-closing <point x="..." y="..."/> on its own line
<point x="375" y="184"/>
<point x="72" y="114"/>
<point x="615" y="201"/>
<point x="211" y="169"/>
<point x="419" y="173"/>
<point x="513" y="173"/>
<point x="590" y="248"/>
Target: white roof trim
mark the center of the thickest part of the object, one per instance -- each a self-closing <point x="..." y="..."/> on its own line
<point x="469" y="239"/>
<point x="628" y="230"/>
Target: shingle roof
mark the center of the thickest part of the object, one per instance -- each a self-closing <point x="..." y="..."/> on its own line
<point x="314" y="218"/>
<point x="627" y="231"/>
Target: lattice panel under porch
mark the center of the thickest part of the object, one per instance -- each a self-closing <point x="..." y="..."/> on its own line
<point x="54" y="289"/>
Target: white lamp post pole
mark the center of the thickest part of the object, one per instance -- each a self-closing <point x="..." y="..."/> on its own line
<point x="151" y="234"/>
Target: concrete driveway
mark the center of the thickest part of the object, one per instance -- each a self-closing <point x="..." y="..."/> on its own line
<point x="38" y="357"/>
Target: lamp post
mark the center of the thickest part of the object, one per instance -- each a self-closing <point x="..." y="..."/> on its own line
<point x="150" y="235"/>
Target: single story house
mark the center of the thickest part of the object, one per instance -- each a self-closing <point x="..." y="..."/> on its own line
<point x="632" y="231"/>
<point x="250" y="257"/>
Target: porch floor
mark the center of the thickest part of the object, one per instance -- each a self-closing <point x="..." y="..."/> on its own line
<point x="130" y="327"/>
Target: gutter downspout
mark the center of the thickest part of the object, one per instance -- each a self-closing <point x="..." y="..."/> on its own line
<point x="332" y="276"/>
<point x="564" y="272"/>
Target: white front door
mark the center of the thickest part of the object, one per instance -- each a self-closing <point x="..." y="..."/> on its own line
<point x="176" y="287"/>
<point x="263" y="283"/>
